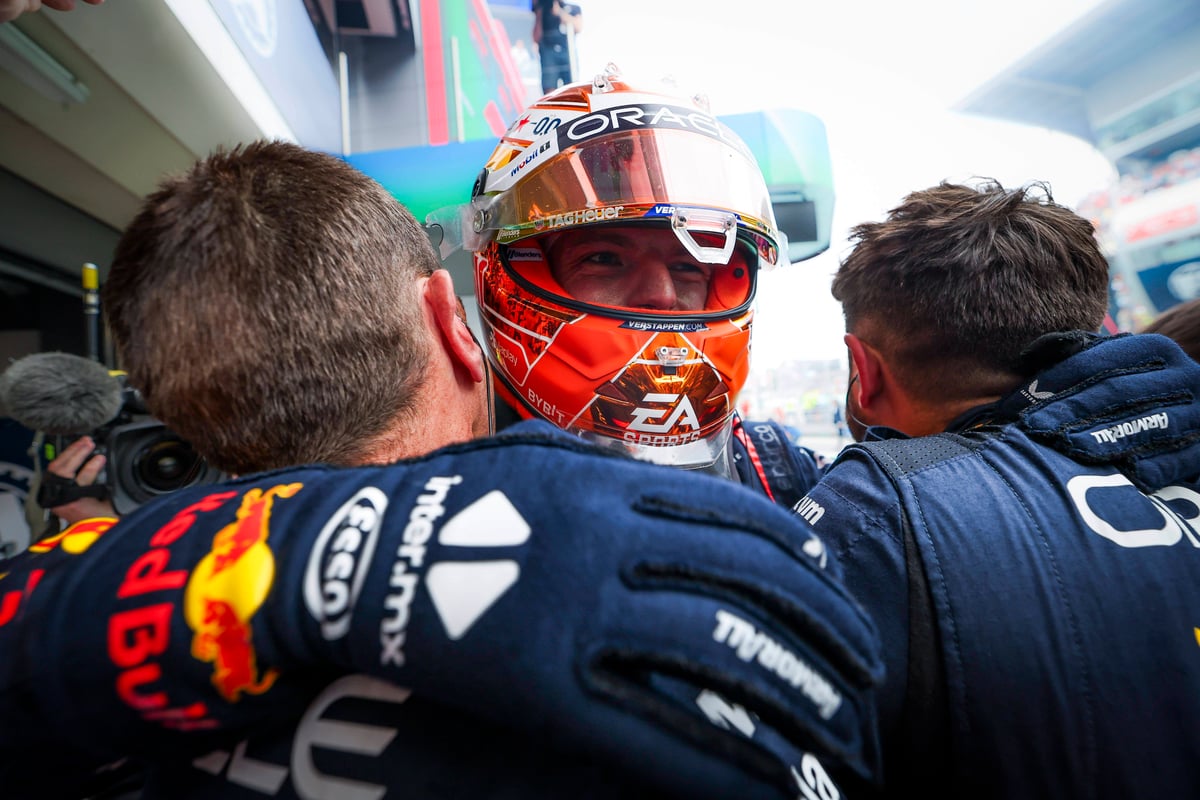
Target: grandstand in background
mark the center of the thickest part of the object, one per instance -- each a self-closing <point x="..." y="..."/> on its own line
<point x="1125" y="78"/>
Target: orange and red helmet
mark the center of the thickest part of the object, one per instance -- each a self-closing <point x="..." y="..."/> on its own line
<point x="594" y="165"/>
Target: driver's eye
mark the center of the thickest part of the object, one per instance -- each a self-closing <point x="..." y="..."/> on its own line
<point x="606" y="257"/>
<point x="687" y="268"/>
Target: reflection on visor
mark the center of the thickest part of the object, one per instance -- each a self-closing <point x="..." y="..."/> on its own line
<point x="698" y="454"/>
<point x="637" y="269"/>
<point x="619" y="177"/>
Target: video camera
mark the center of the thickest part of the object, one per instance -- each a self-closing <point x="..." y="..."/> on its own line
<point x="61" y="397"/>
<point x="145" y="459"/>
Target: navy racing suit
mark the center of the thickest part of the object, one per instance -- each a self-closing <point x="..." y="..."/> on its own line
<point x="533" y="616"/>
<point x="766" y="459"/>
<point x="1035" y="575"/>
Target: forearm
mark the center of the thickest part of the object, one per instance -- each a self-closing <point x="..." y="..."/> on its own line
<point x="217" y="609"/>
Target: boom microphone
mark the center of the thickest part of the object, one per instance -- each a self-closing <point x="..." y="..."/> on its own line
<point x="60" y="394"/>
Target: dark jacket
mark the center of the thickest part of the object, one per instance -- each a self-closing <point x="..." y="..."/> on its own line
<point x="1035" y="574"/>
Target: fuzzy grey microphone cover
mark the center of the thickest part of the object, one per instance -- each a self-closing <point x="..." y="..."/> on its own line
<point x="59" y="393"/>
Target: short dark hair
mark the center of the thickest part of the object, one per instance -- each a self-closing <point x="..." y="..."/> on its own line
<point x="265" y="304"/>
<point x="959" y="279"/>
<point x="1180" y="322"/>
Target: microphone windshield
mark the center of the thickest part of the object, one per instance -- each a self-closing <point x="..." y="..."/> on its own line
<point x="59" y="393"/>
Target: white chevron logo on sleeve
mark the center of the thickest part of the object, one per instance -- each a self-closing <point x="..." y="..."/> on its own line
<point x="1033" y="390"/>
<point x="491" y="521"/>
<point x="463" y="590"/>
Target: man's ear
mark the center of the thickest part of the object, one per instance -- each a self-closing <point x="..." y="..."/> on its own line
<point x="868" y="366"/>
<point x="450" y="318"/>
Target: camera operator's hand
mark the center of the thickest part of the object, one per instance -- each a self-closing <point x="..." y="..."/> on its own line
<point x="77" y="463"/>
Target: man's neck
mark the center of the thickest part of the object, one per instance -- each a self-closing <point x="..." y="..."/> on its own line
<point x="460" y="417"/>
<point x="504" y="414"/>
<point x="930" y="419"/>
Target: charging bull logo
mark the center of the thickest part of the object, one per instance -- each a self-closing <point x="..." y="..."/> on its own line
<point x="74" y="540"/>
<point x="225" y="591"/>
<point x="77" y="538"/>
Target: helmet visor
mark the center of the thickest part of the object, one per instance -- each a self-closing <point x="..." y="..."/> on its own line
<point x="634" y="175"/>
<point x="638" y="270"/>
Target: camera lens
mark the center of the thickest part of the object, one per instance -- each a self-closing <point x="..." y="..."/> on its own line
<point x="166" y="465"/>
<point x="146" y="460"/>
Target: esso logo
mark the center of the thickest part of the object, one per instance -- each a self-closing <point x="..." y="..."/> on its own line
<point x="340" y="559"/>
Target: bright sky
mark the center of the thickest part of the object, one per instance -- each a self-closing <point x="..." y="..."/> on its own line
<point x="882" y="75"/>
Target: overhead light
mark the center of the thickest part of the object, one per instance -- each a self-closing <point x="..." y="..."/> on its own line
<point x="37" y="69"/>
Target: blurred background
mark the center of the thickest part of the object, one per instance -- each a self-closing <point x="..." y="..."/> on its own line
<point x="847" y="105"/>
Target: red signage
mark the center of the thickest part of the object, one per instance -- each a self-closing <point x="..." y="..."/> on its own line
<point x="1159" y="224"/>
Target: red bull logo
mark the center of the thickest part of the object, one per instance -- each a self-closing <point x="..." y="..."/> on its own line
<point x="225" y="591"/>
<point x="75" y="539"/>
<point x="140" y="635"/>
<point x="10" y="601"/>
<point x="225" y="640"/>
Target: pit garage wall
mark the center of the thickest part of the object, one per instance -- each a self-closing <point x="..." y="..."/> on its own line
<point x="456" y="80"/>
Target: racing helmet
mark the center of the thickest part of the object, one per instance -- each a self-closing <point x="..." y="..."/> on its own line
<point x="603" y="161"/>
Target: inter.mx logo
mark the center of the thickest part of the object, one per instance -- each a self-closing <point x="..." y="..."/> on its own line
<point x="461" y="591"/>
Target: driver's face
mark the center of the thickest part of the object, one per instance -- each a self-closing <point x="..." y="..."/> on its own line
<point x="632" y="266"/>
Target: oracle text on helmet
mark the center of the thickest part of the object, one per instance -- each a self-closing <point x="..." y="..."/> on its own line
<point x="641" y="117"/>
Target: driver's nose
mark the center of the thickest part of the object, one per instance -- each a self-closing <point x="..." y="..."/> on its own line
<point x="652" y="286"/>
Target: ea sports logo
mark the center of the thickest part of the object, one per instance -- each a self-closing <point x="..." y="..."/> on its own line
<point x="676" y="407"/>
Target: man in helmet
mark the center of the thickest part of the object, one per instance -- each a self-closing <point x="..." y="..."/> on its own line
<point x="618" y="236"/>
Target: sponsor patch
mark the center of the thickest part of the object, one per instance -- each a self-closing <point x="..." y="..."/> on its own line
<point x="138" y="636"/>
<point x="408" y="566"/>
<point x="340" y="559"/>
<point x="581" y="217"/>
<point x="1115" y="433"/>
<point x="646" y="116"/>
<point x="665" y="327"/>
<point x="751" y="644"/>
<point x="524" y="254"/>
<point x="225" y="591"/>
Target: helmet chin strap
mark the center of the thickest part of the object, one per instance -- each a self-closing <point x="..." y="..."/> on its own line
<point x="488" y="378"/>
<point x="723" y="466"/>
<point x="487" y="370"/>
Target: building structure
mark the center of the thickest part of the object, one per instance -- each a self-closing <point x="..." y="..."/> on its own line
<point x="1125" y="77"/>
<point x="98" y="103"/>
